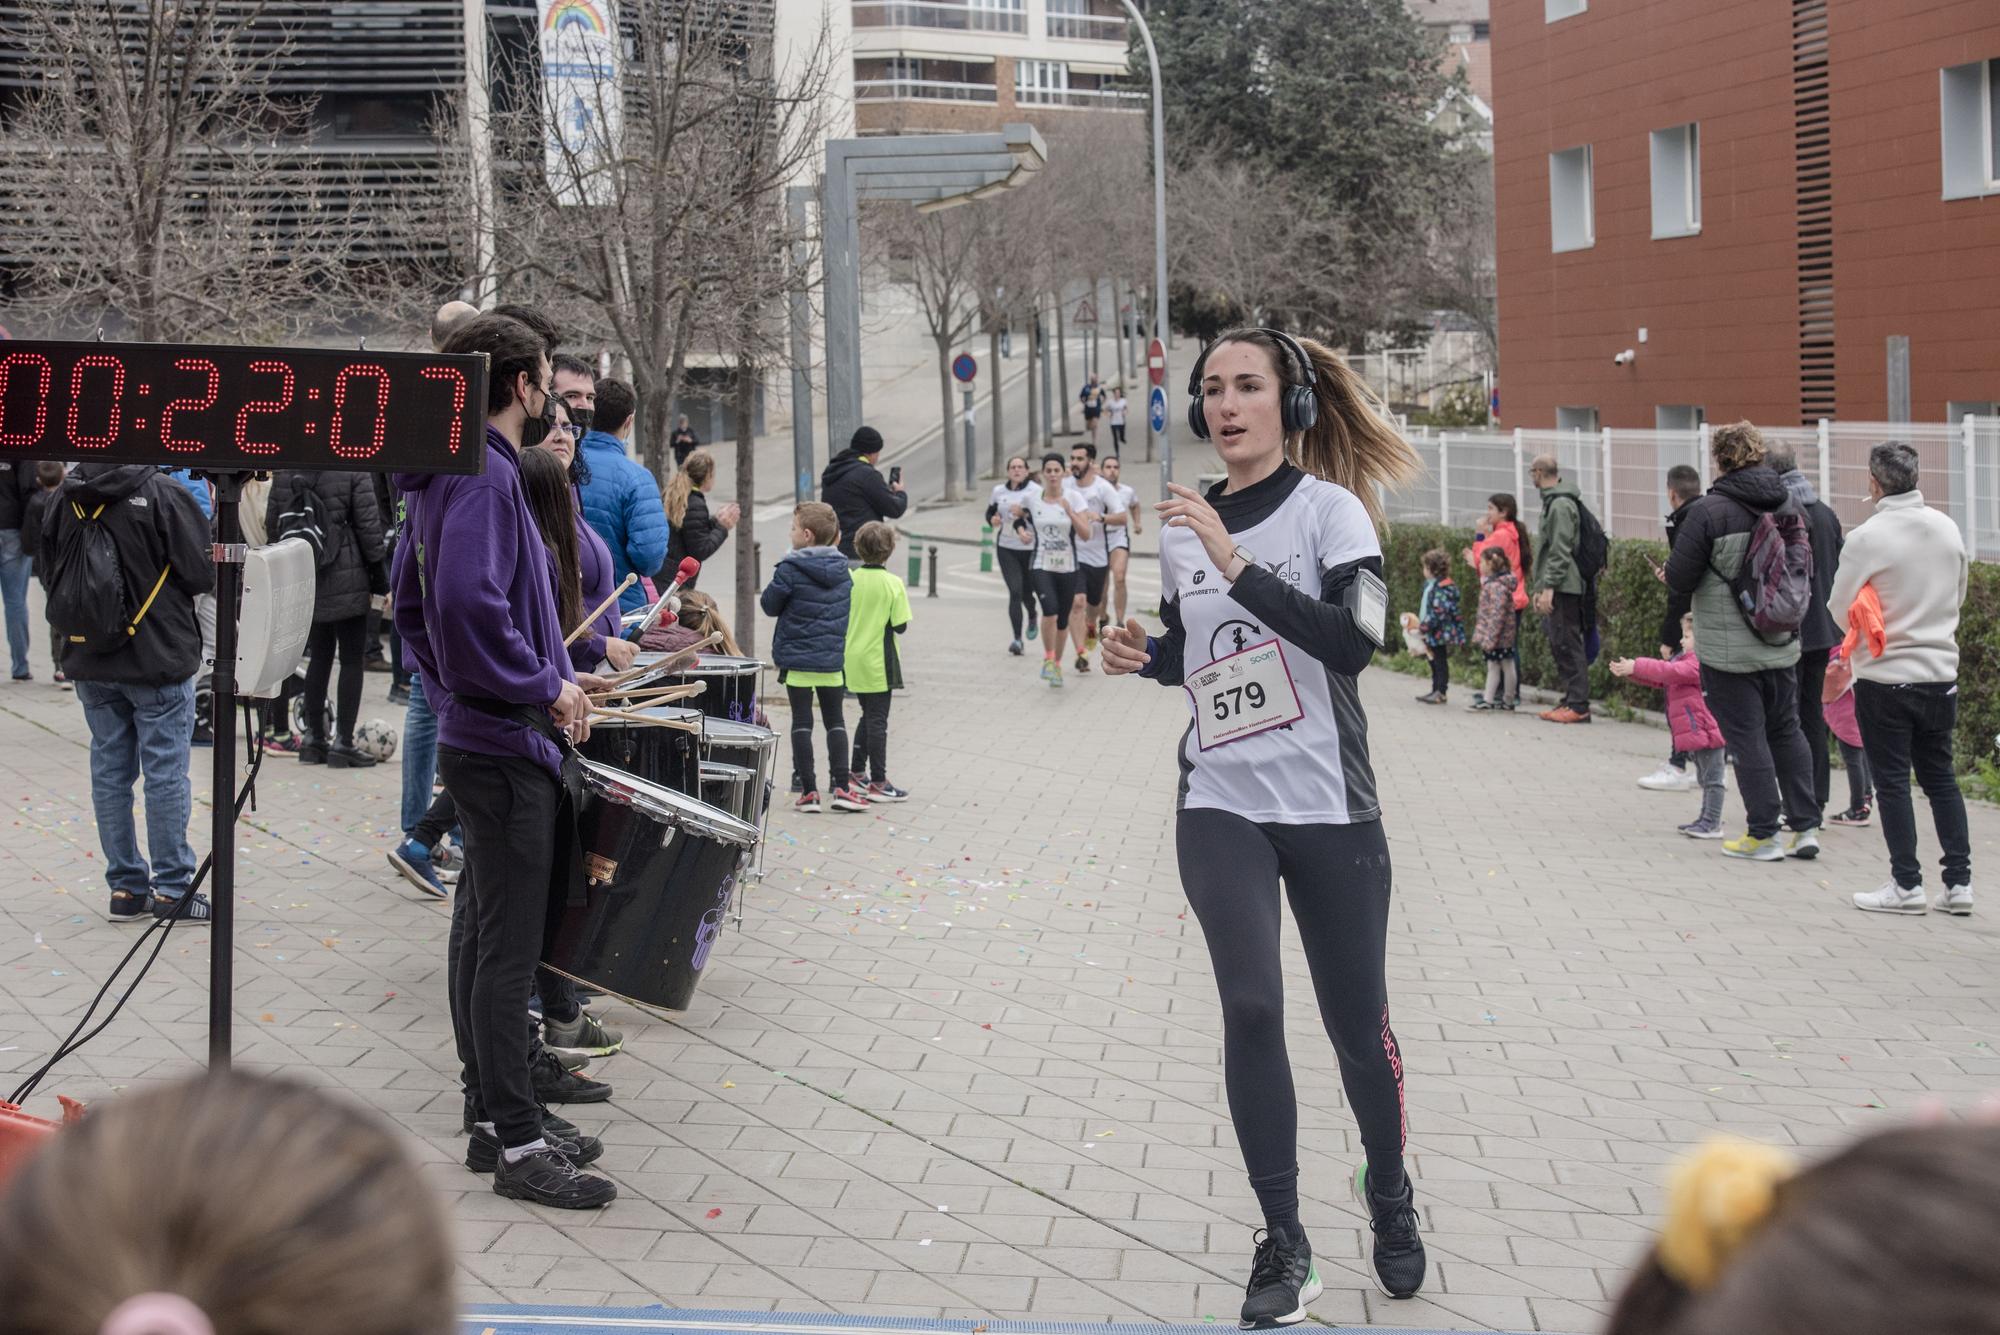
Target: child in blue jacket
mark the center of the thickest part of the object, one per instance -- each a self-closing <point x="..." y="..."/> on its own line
<point x="809" y="594"/>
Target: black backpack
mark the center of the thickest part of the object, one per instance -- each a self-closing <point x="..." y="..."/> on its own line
<point x="1593" y="548"/>
<point x="89" y="605"/>
<point x="307" y="519"/>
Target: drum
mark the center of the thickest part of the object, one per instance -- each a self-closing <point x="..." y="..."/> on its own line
<point x="670" y="757"/>
<point x="732" y="686"/>
<point x="749" y="746"/>
<point x="660" y="870"/>
<point x="731" y="788"/>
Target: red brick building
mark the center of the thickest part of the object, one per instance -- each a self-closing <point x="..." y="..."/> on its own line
<point x="1752" y="200"/>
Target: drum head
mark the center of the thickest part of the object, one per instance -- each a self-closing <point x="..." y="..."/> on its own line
<point x="665" y="804"/>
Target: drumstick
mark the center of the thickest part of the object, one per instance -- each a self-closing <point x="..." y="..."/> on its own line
<point x="628" y="717"/>
<point x="598" y="611"/>
<point x="659" y="695"/>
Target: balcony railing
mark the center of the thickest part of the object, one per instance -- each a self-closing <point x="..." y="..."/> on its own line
<point x="939" y="14"/>
<point x="1088" y="27"/>
<point x="1104" y="99"/>
<point x="923" y="90"/>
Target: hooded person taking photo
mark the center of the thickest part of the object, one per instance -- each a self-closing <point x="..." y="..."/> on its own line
<point x="856" y="490"/>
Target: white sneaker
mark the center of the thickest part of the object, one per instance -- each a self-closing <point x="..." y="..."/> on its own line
<point x="1667" y="779"/>
<point x="1805" y="845"/>
<point x="1956" y="900"/>
<point x="1892" y="898"/>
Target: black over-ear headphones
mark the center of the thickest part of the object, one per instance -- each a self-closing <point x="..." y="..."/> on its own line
<point x="1298" y="408"/>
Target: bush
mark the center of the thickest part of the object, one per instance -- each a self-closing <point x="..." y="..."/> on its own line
<point x="1630" y="603"/>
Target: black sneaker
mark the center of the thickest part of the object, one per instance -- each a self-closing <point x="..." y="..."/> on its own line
<point x="547" y="1177"/>
<point x="198" y="910"/>
<point x="482" y="1151"/>
<point x="130" y="906"/>
<point x="555" y="1084"/>
<point x="553" y="1124"/>
<point x="1399" y="1252"/>
<point x="1283" y="1279"/>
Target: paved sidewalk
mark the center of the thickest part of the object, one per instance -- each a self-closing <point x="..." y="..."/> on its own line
<point x="963" y="1060"/>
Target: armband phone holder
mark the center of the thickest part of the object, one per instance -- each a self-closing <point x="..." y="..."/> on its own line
<point x="1367" y="597"/>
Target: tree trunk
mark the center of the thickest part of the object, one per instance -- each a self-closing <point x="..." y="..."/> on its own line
<point x="1062" y="364"/>
<point x="999" y="433"/>
<point x="951" y="442"/>
<point x="1096" y="352"/>
<point x="1034" y="389"/>
<point x="746" y="501"/>
<point x="655" y="414"/>
<point x="1118" y="314"/>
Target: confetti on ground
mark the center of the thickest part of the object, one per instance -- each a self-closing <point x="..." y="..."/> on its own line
<point x="716" y="1213"/>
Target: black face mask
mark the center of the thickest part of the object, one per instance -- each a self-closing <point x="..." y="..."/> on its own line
<point x="581" y="414"/>
<point x="535" y="430"/>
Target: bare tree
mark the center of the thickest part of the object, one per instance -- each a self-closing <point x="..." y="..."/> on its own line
<point x="1461" y="272"/>
<point x="1269" y="263"/>
<point x="153" y="182"/>
<point x="934" y="256"/>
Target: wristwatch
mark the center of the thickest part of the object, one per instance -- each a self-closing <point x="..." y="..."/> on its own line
<point x="1240" y="560"/>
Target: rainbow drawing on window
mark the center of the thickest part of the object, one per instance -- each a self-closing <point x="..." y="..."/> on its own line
<point x="575" y="16"/>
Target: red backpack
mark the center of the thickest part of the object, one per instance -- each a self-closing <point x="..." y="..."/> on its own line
<point x="1773" y="587"/>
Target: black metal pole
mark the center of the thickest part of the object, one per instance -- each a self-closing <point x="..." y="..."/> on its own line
<point x="229" y="554"/>
<point x="932" y="593"/>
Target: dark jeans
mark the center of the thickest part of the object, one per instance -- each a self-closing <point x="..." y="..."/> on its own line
<point x="344" y="635"/>
<point x="1758" y="713"/>
<point x="508" y="807"/>
<point x="1440" y="668"/>
<point x="829" y="698"/>
<point x="871" y="737"/>
<point x="1860" y="784"/>
<point x="1812" y="720"/>
<point x="1564" y="626"/>
<point x="1906" y="727"/>
<point x="438" y="820"/>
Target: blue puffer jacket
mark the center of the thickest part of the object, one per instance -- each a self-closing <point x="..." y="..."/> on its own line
<point x="622" y="503"/>
<point x="809" y="593"/>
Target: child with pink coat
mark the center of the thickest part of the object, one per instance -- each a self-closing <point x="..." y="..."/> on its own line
<point x="1695" y="729"/>
<point x="1838" y="697"/>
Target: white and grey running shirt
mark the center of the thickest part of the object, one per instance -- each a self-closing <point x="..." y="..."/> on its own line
<point x="1309" y="537"/>
<point x="1055" y="533"/>
<point x="1010" y="504"/>
<point x="1100" y="498"/>
<point x="1128" y="501"/>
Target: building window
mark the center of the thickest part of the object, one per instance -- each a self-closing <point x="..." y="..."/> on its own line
<point x="1572" y="221"/>
<point x="1677" y="181"/>
<point x="1040" y="80"/>
<point x="1577" y="420"/>
<point x="1562" y="9"/>
<point x="1678" y="417"/>
<point x="1970" y="129"/>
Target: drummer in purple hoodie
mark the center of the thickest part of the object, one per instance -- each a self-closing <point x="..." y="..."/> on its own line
<point x="475" y="611"/>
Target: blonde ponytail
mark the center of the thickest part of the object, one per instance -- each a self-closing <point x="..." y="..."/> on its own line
<point x="698" y="469"/>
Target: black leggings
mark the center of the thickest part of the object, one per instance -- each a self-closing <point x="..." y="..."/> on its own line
<point x="871" y="737"/>
<point x="1337" y="880"/>
<point x="1017" y="569"/>
<point x="327" y="636"/>
<point x="1057" y="592"/>
<point x="802" y="733"/>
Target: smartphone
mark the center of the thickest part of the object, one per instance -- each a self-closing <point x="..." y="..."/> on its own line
<point x="895" y="475"/>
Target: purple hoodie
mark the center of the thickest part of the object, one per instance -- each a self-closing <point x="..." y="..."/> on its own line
<point x="471" y="564"/>
<point x="593" y="559"/>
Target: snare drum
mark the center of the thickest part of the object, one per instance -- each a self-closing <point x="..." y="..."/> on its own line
<point x="732" y="686"/>
<point x="660" y="870"/>
<point x="731" y="788"/>
<point x="670" y="757"/>
<point x="747" y="745"/>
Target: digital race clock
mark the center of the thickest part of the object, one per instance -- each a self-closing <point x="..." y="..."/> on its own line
<point x="220" y="408"/>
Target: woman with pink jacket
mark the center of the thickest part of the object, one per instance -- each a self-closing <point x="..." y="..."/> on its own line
<point x="1502" y="528"/>
<point x="1695" y="729"/>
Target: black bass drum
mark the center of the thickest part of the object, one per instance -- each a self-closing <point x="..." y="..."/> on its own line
<point x="668" y="756"/>
<point x="732" y="686"/>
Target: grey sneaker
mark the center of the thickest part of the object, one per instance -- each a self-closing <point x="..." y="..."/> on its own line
<point x="586" y="1036"/>
<point x="1893" y="898"/>
<point x="1804" y="844"/>
<point x="1283" y="1279"/>
<point x="1702" y="829"/>
<point x="1956" y="900"/>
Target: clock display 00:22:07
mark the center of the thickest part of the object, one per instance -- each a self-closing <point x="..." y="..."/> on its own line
<point x="237" y="407"/>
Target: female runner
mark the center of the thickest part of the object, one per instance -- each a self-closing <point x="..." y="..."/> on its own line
<point x="1272" y="603"/>
<point x="1053" y="523"/>
<point x="1016" y="552"/>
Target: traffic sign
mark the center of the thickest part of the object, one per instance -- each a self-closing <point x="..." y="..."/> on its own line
<point x="1156" y="407"/>
<point x="1086" y="312"/>
<point x="964" y="368"/>
<point x="1156" y="361"/>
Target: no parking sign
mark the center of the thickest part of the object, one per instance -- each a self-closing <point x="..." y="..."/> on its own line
<point x="1156" y="408"/>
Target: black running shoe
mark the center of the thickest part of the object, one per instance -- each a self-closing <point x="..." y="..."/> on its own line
<point x="553" y="1124"/>
<point x="1399" y="1252"/>
<point x="554" y="1084"/>
<point x="547" y="1177"/>
<point x="1283" y="1279"/>
<point x="182" y="907"/>
<point x="482" y="1151"/>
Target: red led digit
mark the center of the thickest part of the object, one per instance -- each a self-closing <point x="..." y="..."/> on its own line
<point x="43" y="373"/>
<point x="381" y="376"/>
<point x="206" y="401"/>
<point x="457" y="377"/>
<point x="261" y="407"/>
<point x="112" y="416"/>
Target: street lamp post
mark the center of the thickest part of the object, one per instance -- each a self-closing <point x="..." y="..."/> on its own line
<point x="1159" y="236"/>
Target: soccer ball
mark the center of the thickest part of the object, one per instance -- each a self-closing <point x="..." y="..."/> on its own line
<point x="375" y="738"/>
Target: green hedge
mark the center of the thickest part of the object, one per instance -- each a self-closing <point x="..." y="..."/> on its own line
<point x="1630" y="603"/>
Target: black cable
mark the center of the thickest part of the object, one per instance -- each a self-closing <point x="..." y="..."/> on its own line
<point x="254" y="747"/>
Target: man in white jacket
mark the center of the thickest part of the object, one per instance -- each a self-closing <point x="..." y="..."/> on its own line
<point x="1906" y="697"/>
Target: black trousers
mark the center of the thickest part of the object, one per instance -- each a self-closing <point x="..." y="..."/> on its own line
<point x="1564" y="625"/>
<point x="871" y="737"/>
<point x="831" y="714"/>
<point x="1812" y="720"/>
<point x="327" y="637"/>
<point x="1016" y="567"/>
<point x="1057" y="592"/>
<point x="1440" y="668"/>
<point x="1759" y="716"/>
<point x="438" y="820"/>
<point x="507" y="808"/>
<point x="1910" y="727"/>
<point x="1337" y="879"/>
<point x="1118" y="435"/>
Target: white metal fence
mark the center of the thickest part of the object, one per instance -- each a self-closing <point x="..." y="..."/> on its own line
<point x="1622" y="474"/>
